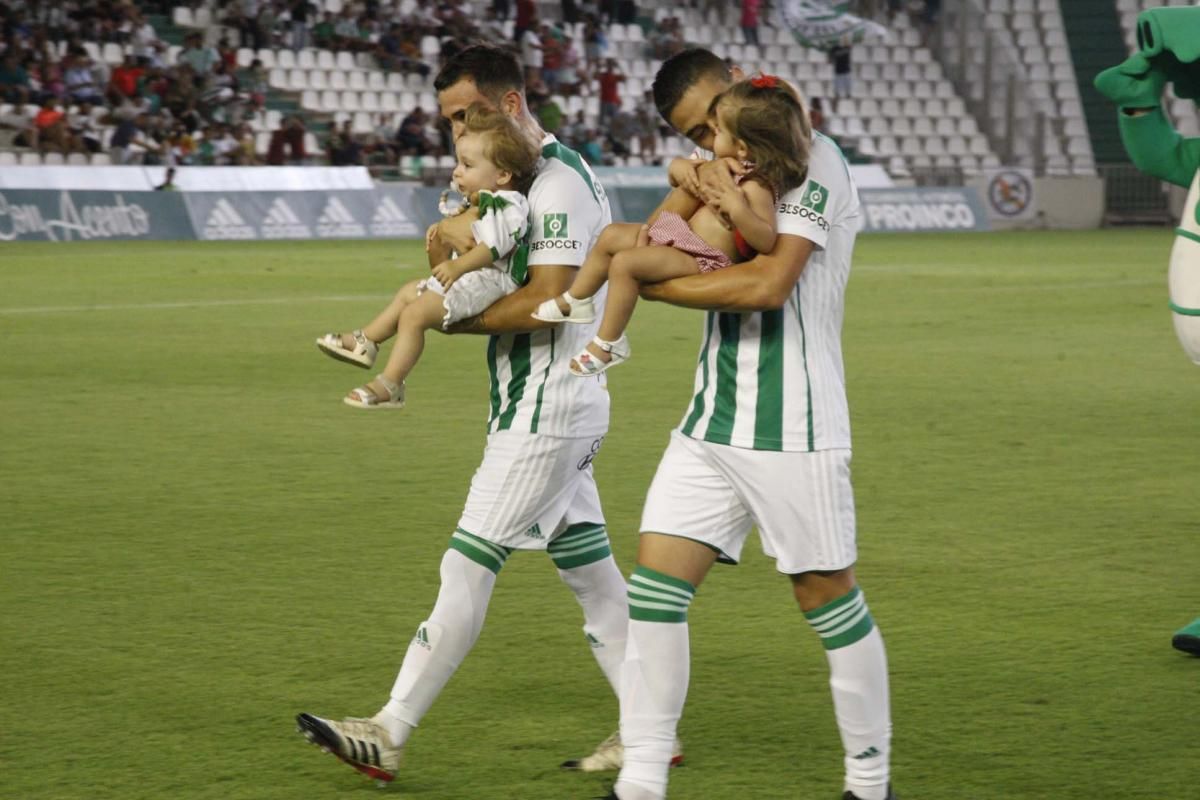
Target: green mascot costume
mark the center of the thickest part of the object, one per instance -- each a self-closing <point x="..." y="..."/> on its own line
<point x="1168" y="52"/>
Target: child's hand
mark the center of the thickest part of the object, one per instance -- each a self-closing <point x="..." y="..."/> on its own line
<point x="446" y="274"/>
<point x="683" y="173"/>
<point x="729" y="202"/>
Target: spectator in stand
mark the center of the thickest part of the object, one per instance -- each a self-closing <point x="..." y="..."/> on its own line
<point x="843" y="85"/>
<point x="610" y="81"/>
<point x="265" y="23"/>
<point x="622" y="129"/>
<point x="129" y="141"/>
<point x="549" y="114"/>
<point x="343" y="148"/>
<point x="254" y="82"/>
<point x="346" y="32"/>
<point x="646" y="128"/>
<point x="531" y="52"/>
<point x="15" y="86"/>
<point x="490" y="27"/>
<point x="574" y="133"/>
<point x="816" y="116"/>
<point x="500" y="8"/>
<point x="220" y="89"/>
<point x="82" y="125"/>
<point x="81" y="82"/>
<point x="595" y="44"/>
<point x="750" y="21"/>
<point x="301" y="12"/>
<point x="552" y="55"/>
<point x="123" y="82"/>
<point x="667" y="40"/>
<point x="411" y="139"/>
<point x="568" y="82"/>
<point x="592" y="148"/>
<point x="570" y="12"/>
<point x="247" y="152"/>
<point x="526" y="19"/>
<point x="51" y="124"/>
<point x="287" y="143"/>
<point x="927" y="19"/>
<point x="20" y="120"/>
<point x="228" y="54"/>
<point x="251" y="34"/>
<point x="200" y="58"/>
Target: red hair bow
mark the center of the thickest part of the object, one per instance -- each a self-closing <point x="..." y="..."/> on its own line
<point x="764" y="82"/>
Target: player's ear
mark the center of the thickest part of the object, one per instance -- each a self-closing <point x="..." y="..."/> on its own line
<point x="510" y="103"/>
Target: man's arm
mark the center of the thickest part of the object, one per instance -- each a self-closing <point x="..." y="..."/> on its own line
<point x="513" y="313"/>
<point x="760" y="284"/>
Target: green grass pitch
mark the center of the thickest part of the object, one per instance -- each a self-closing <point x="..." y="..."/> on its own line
<point x="200" y="540"/>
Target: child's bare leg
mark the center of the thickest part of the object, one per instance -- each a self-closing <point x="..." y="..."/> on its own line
<point x="594" y="272"/>
<point x="629" y="270"/>
<point x="383" y="327"/>
<point x="422" y="314"/>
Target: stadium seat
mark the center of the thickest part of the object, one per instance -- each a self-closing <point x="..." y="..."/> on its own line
<point x="356" y="81"/>
<point x="113" y="54"/>
<point x="369" y="101"/>
<point x="387" y="102"/>
<point x="8" y="158"/>
<point x="887" y="146"/>
<point x="376" y="81"/>
<point x="345" y="61"/>
<point x="349" y="101"/>
<point x="329" y="100"/>
<point x="325" y="60"/>
<point x="310" y="100"/>
<point x="298" y="80"/>
<point x="29" y="159"/>
<point x="306" y="59"/>
<point x="979" y="146"/>
<point x="182" y="17"/>
<point x="285" y="59"/>
<point x="245" y="57"/>
<point x="337" y="81"/>
<point x="202" y="17"/>
<point x="317" y="79"/>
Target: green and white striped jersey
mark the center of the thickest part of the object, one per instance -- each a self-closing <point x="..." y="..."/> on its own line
<point x="531" y="388"/>
<point x="774" y="380"/>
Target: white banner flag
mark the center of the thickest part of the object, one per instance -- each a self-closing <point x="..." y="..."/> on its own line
<point x="815" y="23"/>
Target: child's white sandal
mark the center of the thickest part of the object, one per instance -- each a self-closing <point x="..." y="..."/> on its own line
<point x="362" y="355"/>
<point x="586" y="365"/>
<point x="364" y="398"/>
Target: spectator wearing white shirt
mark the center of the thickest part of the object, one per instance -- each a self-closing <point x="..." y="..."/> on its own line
<point x="531" y="53"/>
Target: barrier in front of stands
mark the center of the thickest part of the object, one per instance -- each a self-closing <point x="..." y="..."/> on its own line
<point x="383" y="212"/>
<point x="922" y="210"/>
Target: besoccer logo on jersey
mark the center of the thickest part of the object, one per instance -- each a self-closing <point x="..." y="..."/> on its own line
<point x="554" y="226"/>
<point x="815" y="197"/>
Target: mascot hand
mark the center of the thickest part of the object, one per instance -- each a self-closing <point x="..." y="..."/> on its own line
<point x="1134" y="83"/>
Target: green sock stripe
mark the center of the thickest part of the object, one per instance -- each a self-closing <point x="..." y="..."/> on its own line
<point x="579" y="545"/>
<point x="582" y="558"/>
<point x="1187" y="312"/>
<point x="842" y="622"/>
<point x="817" y="615"/>
<point x="654" y="597"/>
<point x="851" y="634"/>
<point x="667" y="581"/>
<point x="576" y="533"/>
<point x="484" y="553"/>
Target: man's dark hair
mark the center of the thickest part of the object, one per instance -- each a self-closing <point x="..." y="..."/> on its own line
<point x="495" y="70"/>
<point x="681" y="71"/>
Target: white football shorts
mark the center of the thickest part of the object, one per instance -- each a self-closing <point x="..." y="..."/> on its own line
<point x="530" y="488"/>
<point x="802" y="503"/>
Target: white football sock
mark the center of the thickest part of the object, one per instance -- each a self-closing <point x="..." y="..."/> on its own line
<point x="654" y="681"/>
<point x="440" y="644"/>
<point x="600" y="590"/>
<point x="858" y="678"/>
